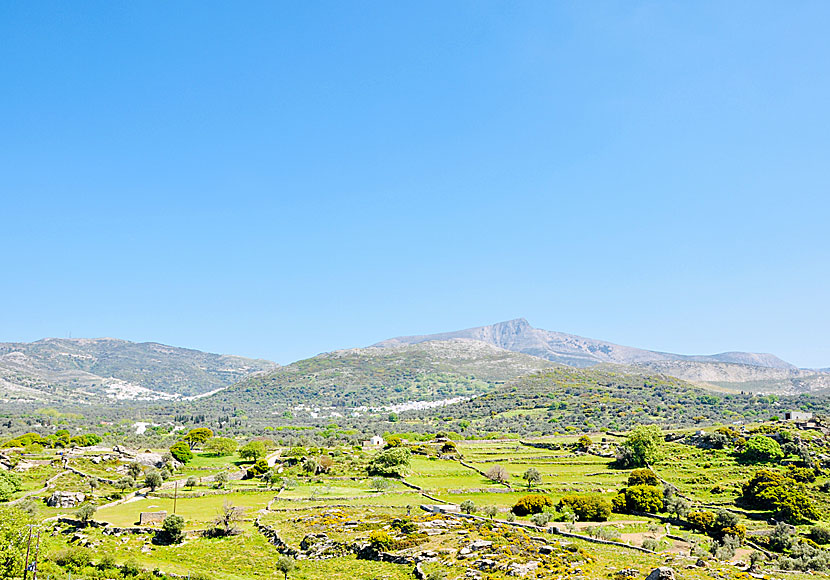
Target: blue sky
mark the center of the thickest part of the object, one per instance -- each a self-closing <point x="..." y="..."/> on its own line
<point x="282" y="179"/>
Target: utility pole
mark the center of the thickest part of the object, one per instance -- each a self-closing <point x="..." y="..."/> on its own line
<point x="175" y="495"/>
<point x="37" y="554"/>
<point x="28" y="545"/>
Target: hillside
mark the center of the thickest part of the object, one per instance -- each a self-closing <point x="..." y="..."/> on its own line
<point x="560" y="399"/>
<point x="77" y="370"/>
<point x="372" y="377"/>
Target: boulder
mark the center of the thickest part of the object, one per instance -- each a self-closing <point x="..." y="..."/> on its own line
<point x="662" y="573"/>
<point x="522" y="570"/>
<point x="65" y="499"/>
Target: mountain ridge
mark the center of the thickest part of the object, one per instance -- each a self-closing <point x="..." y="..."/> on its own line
<point x="519" y="336"/>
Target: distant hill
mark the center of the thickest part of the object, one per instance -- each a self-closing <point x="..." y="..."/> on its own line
<point x="99" y="369"/>
<point x="736" y="371"/>
<point x="557" y="399"/>
<point x="344" y="380"/>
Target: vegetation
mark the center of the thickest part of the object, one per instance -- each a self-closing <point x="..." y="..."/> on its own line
<point x="531" y="504"/>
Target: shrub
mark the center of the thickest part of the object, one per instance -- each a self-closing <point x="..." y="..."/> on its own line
<point x="761" y="449"/>
<point x="531" y="504"/>
<point x="10" y="483"/>
<point x="820" y="535"/>
<point x="676" y="506"/>
<point x="587" y="508"/>
<point x="490" y="511"/>
<point x="783" y="537"/>
<point x="644" y="498"/>
<point x="467" y="506"/>
<point x="584" y="443"/>
<point x="540" y="519"/>
<point x="380" y="540"/>
<point x="618" y="503"/>
<point x="702" y="520"/>
<point x="801" y="474"/>
<point x="651" y="544"/>
<point x="643" y="477"/>
<point x="172" y="530"/>
<point x="74" y="558"/>
<point x="181" y="451"/>
<point x="788" y="499"/>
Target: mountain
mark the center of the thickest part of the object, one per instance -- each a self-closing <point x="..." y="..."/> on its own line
<point x="89" y="370"/>
<point x="403" y="375"/>
<point x="736" y="371"/>
<point x="519" y="336"/>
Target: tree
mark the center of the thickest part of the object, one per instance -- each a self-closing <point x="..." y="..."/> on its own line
<point x="221" y="446"/>
<point x="153" y="480"/>
<point x="93" y="484"/>
<point x="172" y="530"/>
<point x="181" y="452"/>
<point x="498" y="473"/>
<point x="221" y="478"/>
<point x="253" y="451"/>
<point x="125" y="483"/>
<point x="380" y="484"/>
<point x="490" y="511"/>
<point x="191" y="482"/>
<point x="761" y="449"/>
<point x="286" y="565"/>
<point x="468" y="507"/>
<point x="644" y="445"/>
<point x="134" y="470"/>
<point x="225" y="522"/>
<point x="85" y="512"/>
<point x="197" y="437"/>
<point x="532" y="477"/>
<point x="391" y="462"/>
<point x="584" y="443"/>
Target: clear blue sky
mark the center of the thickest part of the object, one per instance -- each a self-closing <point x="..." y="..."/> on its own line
<point x="280" y="179"/>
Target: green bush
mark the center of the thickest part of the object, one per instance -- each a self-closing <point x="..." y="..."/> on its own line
<point x="644" y="498"/>
<point x="532" y="503"/>
<point x="181" y="452"/>
<point x="588" y="508"/>
<point x="172" y="530"/>
<point x="761" y="449"/>
<point x="380" y="540"/>
<point x="820" y="535"/>
<point x="772" y="490"/>
<point x="10" y="483"/>
<point x="643" y="477"/>
<point x="702" y="520"/>
<point x="392" y="462"/>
